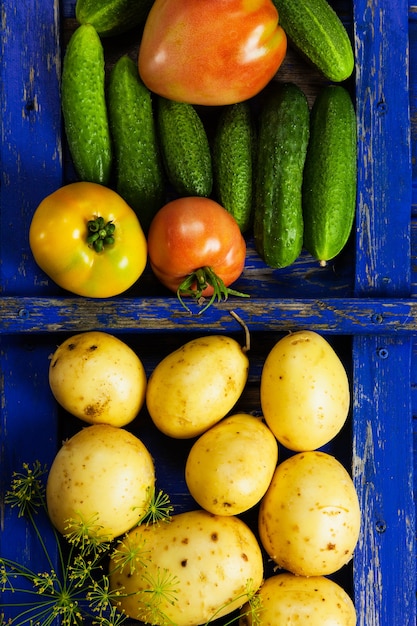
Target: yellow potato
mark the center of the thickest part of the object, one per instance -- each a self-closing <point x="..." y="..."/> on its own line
<point x="195" y="386"/>
<point x="98" y="378"/>
<point x="230" y="466"/>
<point x="208" y="563"/>
<point x="302" y="601"/>
<point x="103" y="477"/>
<point x="305" y="394"/>
<point x="309" y="519"/>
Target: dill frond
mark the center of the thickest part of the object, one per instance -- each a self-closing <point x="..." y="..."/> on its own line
<point x="27" y="491"/>
<point x="113" y="618"/>
<point x="100" y="596"/>
<point x="252" y="598"/>
<point x="163" y="587"/>
<point x="54" y="594"/>
<point x="81" y="570"/>
<point x="159" y="509"/>
<point x="129" y="553"/>
<point x="87" y="535"/>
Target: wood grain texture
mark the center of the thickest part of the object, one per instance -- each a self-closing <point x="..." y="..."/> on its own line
<point x="385" y="563"/>
<point x="385" y="559"/>
<point x="364" y="301"/>
<point x="384" y="139"/>
<point x="31" y="149"/>
<point x="342" y="316"/>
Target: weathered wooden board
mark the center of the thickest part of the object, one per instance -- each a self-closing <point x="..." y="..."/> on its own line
<point x="364" y="301"/>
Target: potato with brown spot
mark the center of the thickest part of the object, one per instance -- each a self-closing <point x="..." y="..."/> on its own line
<point x="103" y="478"/>
<point x="305" y="394"/>
<point x="98" y="378"/>
<point x="197" y="385"/>
<point x="302" y="601"/>
<point x="230" y="466"/>
<point x="309" y="519"/>
<point x="213" y="561"/>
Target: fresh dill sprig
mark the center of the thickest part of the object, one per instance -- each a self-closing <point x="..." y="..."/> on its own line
<point x="51" y="594"/>
<point x="128" y="553"/>
<point x="78" y="586"/>
<point x="163" y="587"/>
<point x="100" y="596"/>
<point x="27" y="491"/>
<point x="249" y="597"/>
<point x="113" y="618"/>
<point x="160" y="508"/>
<point x="87" y="535"/>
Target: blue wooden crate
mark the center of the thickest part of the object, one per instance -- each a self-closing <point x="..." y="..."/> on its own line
<point x="364" y="301"/>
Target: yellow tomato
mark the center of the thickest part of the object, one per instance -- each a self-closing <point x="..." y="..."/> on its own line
<point x="98" y="378"/>
<point x="88" y="240"/>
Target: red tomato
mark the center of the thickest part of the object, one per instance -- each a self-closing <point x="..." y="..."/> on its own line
<point x="211" y="52"/>
<point x="196" y="248"/>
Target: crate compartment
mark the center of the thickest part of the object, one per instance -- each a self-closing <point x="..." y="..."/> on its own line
<point x="36" y="425"/>
<point x="380" y="458"/>
<point x="35" y="161"/>
<point x="39" y="106"/>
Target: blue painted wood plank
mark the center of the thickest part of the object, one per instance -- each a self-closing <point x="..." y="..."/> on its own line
<point x="28" y="432"/>
<point x="30" y="150"/>
<point x="30" y="158"/>
<point x="341" y="316"/>
<point x="413" y="260"/>
<point x="385" y="559"/>
<point x="384" y="177"/>
<point x="412" y="33"/>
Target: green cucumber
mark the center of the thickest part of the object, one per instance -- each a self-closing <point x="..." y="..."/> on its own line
<point x="282" y="144"/>
<point x="139" y="169"/>
<point x="232" y="154"/>
<point x="330" y="174"/>
<point x="315" y="29"/>
<point x="185" y="148"/>
<point x="112" y="17"/>
<point x="84" y="108"/>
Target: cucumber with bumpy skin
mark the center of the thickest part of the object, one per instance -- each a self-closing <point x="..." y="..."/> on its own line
<point x="84" y="107"/>
<point x="185" y="148"/>
<point x="139" y="171"/>
<point x="233" y="152"/>
<point x="330" y="174"/>
<point x="112" y="17"/>
<point x="282" y="144"/>
<point x="315" y="29"/>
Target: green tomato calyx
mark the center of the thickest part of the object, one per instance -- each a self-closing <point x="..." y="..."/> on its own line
<point x="198" y="281"/>
<point x="100" y="233"/>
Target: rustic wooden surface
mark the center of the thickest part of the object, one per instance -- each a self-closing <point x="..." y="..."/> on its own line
<point x="346" y="316"/>
<point x="364" y="301"/>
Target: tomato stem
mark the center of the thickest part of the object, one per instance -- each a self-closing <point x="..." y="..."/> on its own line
<point x="100" y="233"/>
<point x="198" y="281"/>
